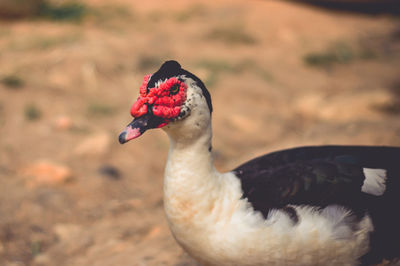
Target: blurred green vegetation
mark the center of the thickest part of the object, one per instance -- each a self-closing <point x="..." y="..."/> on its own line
<point x="194" y="11"/>
<point x="231" y="34"/>
<point x="99" y="109"/>
<point x="64" y="11"/>
<point x="38" y="42"/>
<point x="337" y="53"/>
<point x="32" y="112"/>
<point x="68" y="11"/>
<point x="216" y="67"/>
<point x="36" y="248"/>
<point x="12" y="81"/>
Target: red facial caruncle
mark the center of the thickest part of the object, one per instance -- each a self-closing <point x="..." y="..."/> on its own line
<point x="164" y="101"/>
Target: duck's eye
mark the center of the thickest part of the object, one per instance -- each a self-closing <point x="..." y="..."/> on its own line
<point x="174" y="89"/>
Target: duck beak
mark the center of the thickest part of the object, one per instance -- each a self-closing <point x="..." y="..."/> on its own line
<point x="139" y="125"/>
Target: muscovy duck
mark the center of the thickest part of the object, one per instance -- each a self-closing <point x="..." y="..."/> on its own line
<point x="322" y="205"/>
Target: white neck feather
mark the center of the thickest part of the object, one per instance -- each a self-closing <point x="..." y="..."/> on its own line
<point x="191" y="183"/>
<point x="189" y="175"/>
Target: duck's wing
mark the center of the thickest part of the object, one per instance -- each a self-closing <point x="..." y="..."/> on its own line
<point x="320" y="176"/>
<point x="365" y="180"/>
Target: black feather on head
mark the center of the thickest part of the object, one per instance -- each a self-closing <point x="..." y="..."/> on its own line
<point x="172" y="68"/>
<point x="167" y="70"/>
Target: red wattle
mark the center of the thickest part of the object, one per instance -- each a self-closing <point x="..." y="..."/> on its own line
<point x="162" y="124"/>
<point x="139" y="108"/>
<point x="164" y="103"/>
<point x="143" y="88"/>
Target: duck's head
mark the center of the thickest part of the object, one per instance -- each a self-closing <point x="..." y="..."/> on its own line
<point x="173" y="99"/>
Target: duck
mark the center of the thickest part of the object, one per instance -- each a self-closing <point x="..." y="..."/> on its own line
<point x="312" y="205"/>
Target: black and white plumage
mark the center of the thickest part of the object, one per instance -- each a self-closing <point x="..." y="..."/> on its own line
<point x="363" y="179"/>
<point x="327" y="205"/>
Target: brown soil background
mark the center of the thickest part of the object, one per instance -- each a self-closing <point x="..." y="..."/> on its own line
<point x="281" y="74"/>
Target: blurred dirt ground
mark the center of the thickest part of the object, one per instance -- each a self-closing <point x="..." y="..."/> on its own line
<point x="281" y="74"/>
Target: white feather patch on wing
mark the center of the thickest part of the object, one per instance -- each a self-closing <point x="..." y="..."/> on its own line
<point x="374" y="182"/>
<point x="341" y="219"/>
